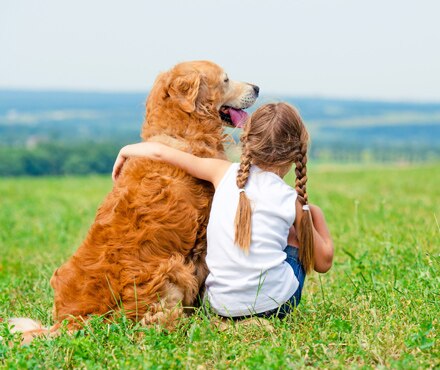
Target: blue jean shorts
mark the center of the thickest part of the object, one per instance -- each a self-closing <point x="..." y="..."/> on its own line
<point x="298" y="269"/>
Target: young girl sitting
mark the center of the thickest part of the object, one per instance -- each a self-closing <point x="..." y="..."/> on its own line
<point x="255" y="214"/>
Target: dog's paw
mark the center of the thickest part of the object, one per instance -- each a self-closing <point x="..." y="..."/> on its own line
<point x="162" y="317"/>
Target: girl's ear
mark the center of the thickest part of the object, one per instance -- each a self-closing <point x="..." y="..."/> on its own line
<point x="185" y="89"/>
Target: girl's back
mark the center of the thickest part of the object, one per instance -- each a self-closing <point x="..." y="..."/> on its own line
<point x="240" y="283"/>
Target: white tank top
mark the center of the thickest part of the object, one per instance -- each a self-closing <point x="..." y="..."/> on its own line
<point x="240" y="284"/>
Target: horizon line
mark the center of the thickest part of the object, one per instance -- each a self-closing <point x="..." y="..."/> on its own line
<point x="317" y="96"/>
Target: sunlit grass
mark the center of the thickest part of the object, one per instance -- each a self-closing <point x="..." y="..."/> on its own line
<point x="377" y="307"/>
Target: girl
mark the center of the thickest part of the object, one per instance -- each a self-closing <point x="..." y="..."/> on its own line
<point x="251" y="271"/>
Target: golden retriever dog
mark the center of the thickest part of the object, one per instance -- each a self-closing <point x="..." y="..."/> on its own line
<point x="144" y="255"/>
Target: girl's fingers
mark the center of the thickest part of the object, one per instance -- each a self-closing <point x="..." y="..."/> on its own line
<point x="133" y="150"/>
<point x="117" y="166"/>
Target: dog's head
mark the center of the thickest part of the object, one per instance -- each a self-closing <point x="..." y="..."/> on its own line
<point x="202" y="88"/>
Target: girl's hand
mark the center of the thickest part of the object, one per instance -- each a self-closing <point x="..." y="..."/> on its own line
<point x="145" y="149"/>
<point x="117" y="167"/>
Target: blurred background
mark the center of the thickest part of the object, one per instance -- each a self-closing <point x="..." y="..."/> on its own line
<point x="74" y="76"/>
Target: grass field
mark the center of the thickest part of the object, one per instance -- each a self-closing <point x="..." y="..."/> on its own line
<point x="378" y="307"/>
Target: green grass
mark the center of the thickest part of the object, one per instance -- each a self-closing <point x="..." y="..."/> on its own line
<point x="378" y="307"/>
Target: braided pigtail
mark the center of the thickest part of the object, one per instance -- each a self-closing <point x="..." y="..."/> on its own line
<point x="305" y="231"/>
<point x="244" y="211"/>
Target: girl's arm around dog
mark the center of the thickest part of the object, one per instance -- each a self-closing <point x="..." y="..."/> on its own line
<point x="209" y="169"/>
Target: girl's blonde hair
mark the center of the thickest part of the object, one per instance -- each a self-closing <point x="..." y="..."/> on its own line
<point x="275" y="137"/>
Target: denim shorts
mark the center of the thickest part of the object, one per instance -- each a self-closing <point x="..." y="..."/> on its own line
<point x="298" y="269"/>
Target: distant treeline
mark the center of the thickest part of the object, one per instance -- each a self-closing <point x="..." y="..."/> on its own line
<point x="63" y="133"/>
<point x="56" y="158"/>
<point x="374" y="153"/>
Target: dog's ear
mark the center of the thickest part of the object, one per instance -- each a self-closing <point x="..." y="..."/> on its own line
<point x="185" y="90"/>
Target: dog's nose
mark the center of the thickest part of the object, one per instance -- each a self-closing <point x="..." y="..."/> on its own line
<point x="256" y="89"/>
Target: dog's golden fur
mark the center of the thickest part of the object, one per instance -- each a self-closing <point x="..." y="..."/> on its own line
<point x="145" y="252"/>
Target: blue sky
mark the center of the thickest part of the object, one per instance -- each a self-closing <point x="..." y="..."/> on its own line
<point x="341" y="48"/>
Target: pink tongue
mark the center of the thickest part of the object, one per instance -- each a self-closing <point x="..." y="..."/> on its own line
<point x="238" y="117"/>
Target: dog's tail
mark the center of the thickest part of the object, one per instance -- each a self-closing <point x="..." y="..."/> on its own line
<point x="29" y="329"/>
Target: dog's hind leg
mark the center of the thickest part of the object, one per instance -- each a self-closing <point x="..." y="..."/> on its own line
<point x="160" y="297"/>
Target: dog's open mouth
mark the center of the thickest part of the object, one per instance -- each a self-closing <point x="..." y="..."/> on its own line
<point x="232" y="116"/>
